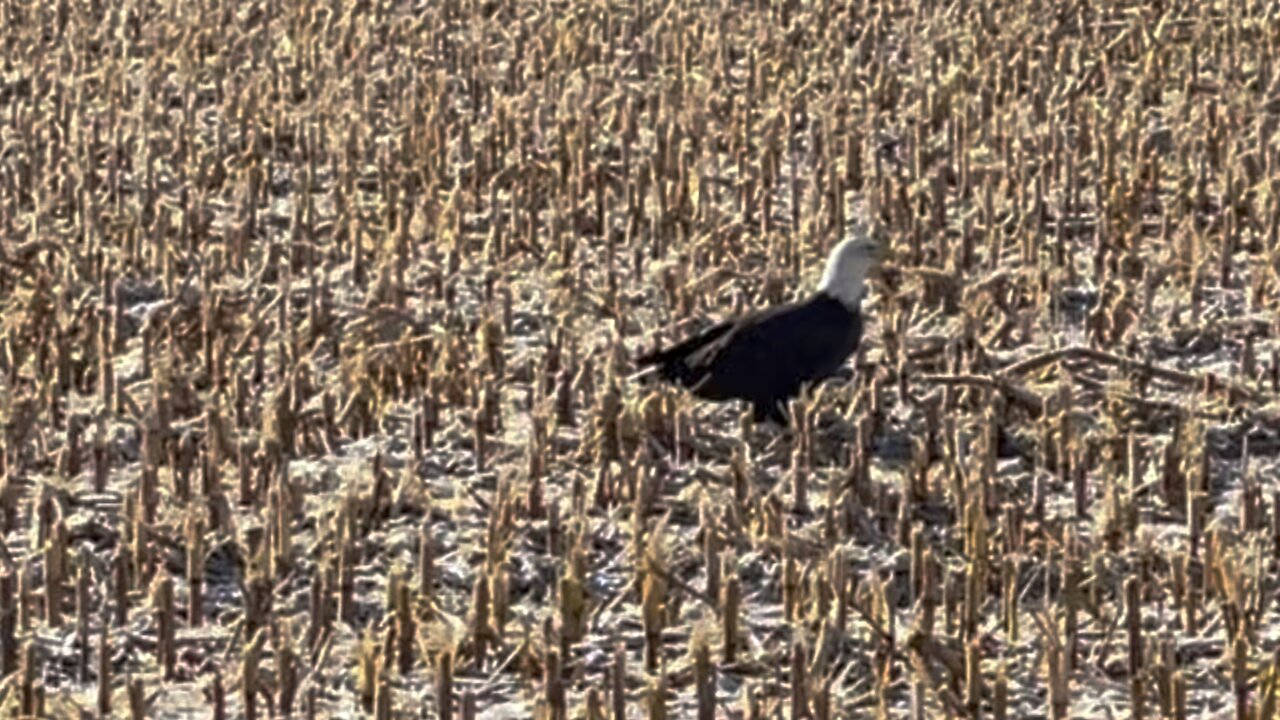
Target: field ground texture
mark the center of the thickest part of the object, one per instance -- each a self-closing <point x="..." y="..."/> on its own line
<point x="316" y="335"/>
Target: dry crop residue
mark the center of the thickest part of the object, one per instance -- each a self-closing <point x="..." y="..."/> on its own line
<point x="316" y="322"/>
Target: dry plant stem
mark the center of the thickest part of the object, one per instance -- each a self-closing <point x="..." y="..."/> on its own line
<point x="137" y="700"/>
<point x="704" y="679"/>
<point x="553" y="686"/>
<point x="83" y="581"/>
<point x="382" y="702"/>
<point x="27" y="681"/>
<point x="249" y="676"/>
<point x="617" y="682"/>
<point x="799" y="683"/>
<point x="444" y="686"/>
<point x="219" y="694"/>
<point x="104" y="678"/>
<point x="286" y="667"/>
<point x="166" y="625"/>
<point x="9" y="599"/>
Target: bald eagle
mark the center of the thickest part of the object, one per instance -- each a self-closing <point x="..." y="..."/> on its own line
<point x="767" y="356"/>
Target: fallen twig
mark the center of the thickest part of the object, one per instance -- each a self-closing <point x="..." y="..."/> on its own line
<point x="1185" y="379"/>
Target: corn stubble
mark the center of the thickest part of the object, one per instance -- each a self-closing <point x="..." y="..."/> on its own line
<point x="314" y="347"/>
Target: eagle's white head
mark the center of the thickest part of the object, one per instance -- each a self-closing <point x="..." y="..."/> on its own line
<point x="848" y="266"/>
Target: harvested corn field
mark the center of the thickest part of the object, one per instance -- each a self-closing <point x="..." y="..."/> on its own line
<point x="317" y="328"/>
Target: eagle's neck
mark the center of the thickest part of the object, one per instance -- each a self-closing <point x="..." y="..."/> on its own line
<point x="844" y="284"/>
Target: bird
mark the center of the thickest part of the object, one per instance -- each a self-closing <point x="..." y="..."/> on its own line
<point x="767" y="357"/>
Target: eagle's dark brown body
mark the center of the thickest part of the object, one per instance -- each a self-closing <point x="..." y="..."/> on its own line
<point x="766" y="357"/>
